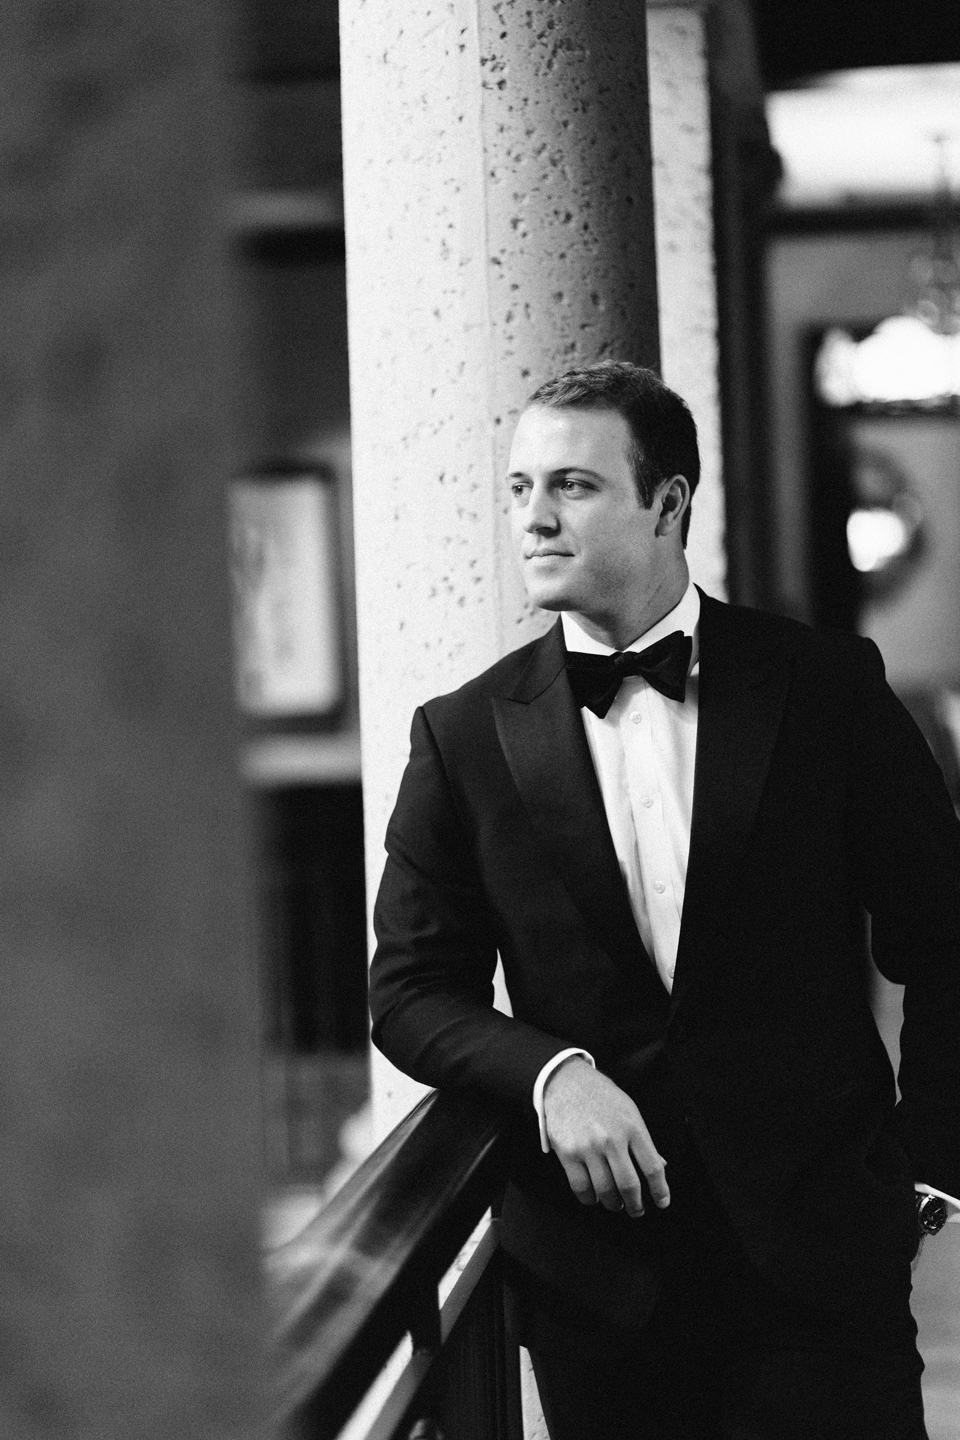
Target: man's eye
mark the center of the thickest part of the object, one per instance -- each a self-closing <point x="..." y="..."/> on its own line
<point x="518" y="489"/>
<point x="572" y="487"/>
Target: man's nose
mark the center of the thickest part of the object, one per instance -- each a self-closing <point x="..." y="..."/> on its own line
<point x="540" y="514"/>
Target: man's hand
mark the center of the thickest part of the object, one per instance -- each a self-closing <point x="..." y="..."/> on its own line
<point x="600" y="1139"/>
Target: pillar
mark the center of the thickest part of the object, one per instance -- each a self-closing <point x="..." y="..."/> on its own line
<point x="686" y="270"/>
<point x="499" y="229"/>
<point x="129" y="1131"/>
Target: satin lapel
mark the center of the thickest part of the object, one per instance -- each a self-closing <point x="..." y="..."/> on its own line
<point x="545" y="746"/>
<point x="744" y="677"/>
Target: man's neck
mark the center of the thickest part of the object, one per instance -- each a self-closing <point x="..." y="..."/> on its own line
<point x="619" y="631"/>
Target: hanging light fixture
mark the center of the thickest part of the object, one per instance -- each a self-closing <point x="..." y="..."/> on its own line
<point x="935" y="268"/>
<point x="912" y="358"/>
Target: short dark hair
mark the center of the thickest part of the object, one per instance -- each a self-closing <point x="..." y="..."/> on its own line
<point x="663" y="432"/>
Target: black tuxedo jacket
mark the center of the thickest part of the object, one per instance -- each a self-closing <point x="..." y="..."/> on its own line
<point x="815" y="799"/>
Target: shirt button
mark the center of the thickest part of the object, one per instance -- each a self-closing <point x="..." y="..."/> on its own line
<point x="672" y="971"/>
<point x="659" y="886"/>
<point x="646" y="802"/>
<point x="636" y="717"/>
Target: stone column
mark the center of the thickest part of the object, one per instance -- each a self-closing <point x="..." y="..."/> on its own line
<point x="499" y="229"/>
<point x="686" y="270"/>
<point x="129" y="1130"/>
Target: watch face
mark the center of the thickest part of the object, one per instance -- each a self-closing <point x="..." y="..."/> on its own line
<point x="932" y="1213"/>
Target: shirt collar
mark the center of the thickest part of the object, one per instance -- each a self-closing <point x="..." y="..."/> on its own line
<point x="684" y="616"/>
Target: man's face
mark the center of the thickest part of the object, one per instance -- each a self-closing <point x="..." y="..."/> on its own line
<point x="584" y="540"/>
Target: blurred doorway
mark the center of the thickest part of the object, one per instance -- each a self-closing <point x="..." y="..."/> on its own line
<point x="883" y="498"/>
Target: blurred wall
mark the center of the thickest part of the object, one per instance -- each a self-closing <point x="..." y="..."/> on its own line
<point x="302" y="766"/>
<point x="813" y="281"/>
<point x="917" y="625"/>
<point x="855" y="280"/>
<point x="129" y="1128"/>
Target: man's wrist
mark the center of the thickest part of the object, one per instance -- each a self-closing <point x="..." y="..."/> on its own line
<point x="540" y="1085"/>
<point x="928" y="1198"/>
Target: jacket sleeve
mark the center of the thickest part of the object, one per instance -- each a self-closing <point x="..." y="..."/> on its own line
<point x="431" y="981"/>
<point x="906" y="847"/>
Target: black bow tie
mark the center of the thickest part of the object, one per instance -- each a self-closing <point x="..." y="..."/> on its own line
<point x="595" y="679"/>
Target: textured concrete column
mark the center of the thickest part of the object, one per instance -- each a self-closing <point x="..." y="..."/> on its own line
<point x="129" y="1132"/>
<point x="683" y="195"/>
<point x="499" y="228"/>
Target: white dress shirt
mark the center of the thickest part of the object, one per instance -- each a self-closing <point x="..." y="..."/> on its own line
<point x="643" y="751"/>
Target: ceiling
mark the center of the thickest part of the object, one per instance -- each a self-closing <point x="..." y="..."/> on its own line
<point x="800" y="38"/>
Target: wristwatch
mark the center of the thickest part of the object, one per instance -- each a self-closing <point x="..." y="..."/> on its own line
<point x="932" y="1213"/>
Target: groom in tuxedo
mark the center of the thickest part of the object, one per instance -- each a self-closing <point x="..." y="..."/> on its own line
<point x="671" y="818"/>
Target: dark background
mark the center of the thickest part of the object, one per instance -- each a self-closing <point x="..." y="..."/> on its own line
<point x="799" y="38"/>
<point x="796" y="38"/>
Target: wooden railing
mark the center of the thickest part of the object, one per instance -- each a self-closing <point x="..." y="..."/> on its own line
<point x="366" y="1272"/>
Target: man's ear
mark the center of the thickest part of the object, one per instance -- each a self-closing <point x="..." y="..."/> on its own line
<point x="672" y="500"/>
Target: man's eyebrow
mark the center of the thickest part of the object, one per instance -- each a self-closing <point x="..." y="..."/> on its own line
<point x="561" y="473"/>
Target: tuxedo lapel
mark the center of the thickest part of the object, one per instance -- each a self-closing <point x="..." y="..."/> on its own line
<point x="743" y="682"/>
<point x="542" y="736"/>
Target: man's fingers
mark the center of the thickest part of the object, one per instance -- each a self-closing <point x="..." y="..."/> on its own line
<point x="627" y="1182"/>
<point x="653" y="1166"/>
<point x="592" y="1183"/>
<point x="613" y="1183"/>
<point x="578" y="1178"/>
<point x="605" y="1186"/>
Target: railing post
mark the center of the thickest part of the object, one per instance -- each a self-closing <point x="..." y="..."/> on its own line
<point x="425" y="1319"/>
<point x="426" y="1430"/>
<point x="479" y="1382"/>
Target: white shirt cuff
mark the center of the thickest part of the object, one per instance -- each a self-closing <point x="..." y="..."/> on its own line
<point x="954" y="1217"/>
<point x="540" y="1086"/>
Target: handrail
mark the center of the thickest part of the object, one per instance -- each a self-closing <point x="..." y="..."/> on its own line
<point x="365" y="1271"/>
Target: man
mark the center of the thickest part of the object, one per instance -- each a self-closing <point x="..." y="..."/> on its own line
<point x="710" y="1233"/>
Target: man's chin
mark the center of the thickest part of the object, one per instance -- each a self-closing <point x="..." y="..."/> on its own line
<point x="548" y="600"/>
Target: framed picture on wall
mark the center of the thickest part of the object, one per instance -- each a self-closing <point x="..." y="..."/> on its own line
<point x="287" y="624"/>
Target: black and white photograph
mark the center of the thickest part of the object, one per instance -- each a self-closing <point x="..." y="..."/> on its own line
<point x="480" y="570"/>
